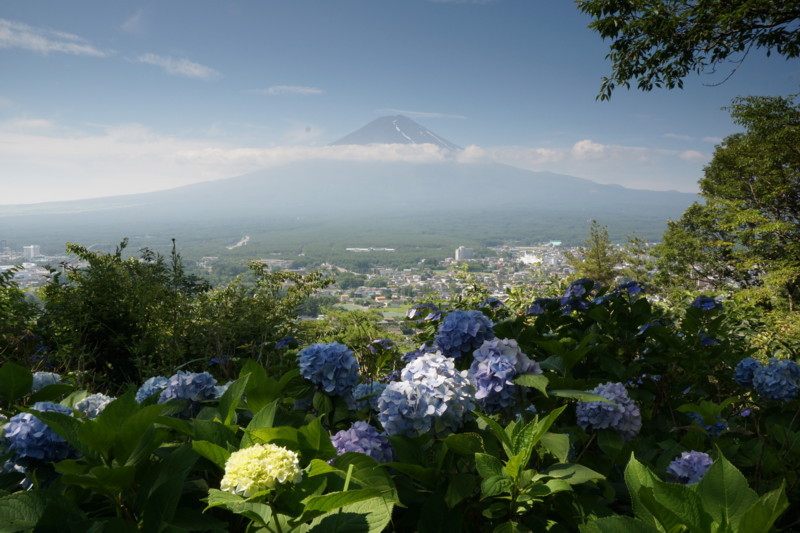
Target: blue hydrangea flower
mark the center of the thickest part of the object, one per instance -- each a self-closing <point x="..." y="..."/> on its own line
<point x="221" y="360"/>
<point x="363" y="438"/>
<point x="332" y="367"/>
<point x="622" y="415"/>
<point x="193" y="386"/>
<point x="713" y="430"/>
<point x="93" y="405"/>
<point x="219" y="390"/>
<point x="777" y="380"/>
<point x="706" y="303"/>
<point x="428" y="309"/>
<point x="690" y="467"/>
<point x="631" y="287"/>
<point x="707" y="340"/>
<point x="31" y="439"/>
<point x="462" y="332"/>
<point x="43" y="379"/>
<point x="495" y="364"/>
<point x="745" y="369"/>
<point x="492" y="303"/>
<point x="541" y="305"/>
<point x="432" y="396"/>
<point x="287" y="342"/>
<point x="367" y="394"/>
<point x="568" y="305"/>
<point x="579" y="288"/>
<point x="153" y="385"/>
<point x="380" y="345"/>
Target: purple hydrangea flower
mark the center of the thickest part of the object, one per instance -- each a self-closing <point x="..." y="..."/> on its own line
<point x="461" y="332"/>
<point x="43" y="379"/>
<point x="622" y="415"/>
<point x="332" y="367"/>
<point x="417" y="311"/>
<point x="287" y="342"/>
<point x="363" y="438"/>
<point x="432" y="396"/>
<point x="367" y="394"/>
<point x="745" y="369"/>
<point x="153" y="385"/>
<point x="495" y="364"/>
<point x="706" y="303"/>
<point x="31" y="439"/>
<point x="492" y="303"/>
<point x="93" y="405"/>
<point x="713" y="430"/>
<point x="690" y="467"/>
<point x="631" y="287"/>
<point x="381" y="344"/>
<point x="777" y="380"/>
<point x="568" y="305"/>
<point x="579" y="288"/>
<point x="193" y="386"/>
<point x="541" y="305"/>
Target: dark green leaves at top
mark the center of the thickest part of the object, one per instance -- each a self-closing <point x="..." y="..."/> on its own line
<point x="15" y="382"/>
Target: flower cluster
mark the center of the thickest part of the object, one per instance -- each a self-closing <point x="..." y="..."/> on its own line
<point x="367" y="394"/>
<point x="706" y="303"/>
<point x="745" y="369"/>
<point x="93" y="405"/>
<point x="461" y="332"/>
<point x="332" y="367"/>
<point x="43" y="379"/>
<point x="153" y="385"/>
<point x="495" y="364"/>
<point x="778" y="380"/>
<point x="431" y="312"/>
<point x="541" y="305"/>
<point x="258" y="468"/>
<point x="30" y="438"/>
<point x="714" y="429"/>
<point x="690" y="467"/>
<point x="363" y="438"/>
<point x="622" y="415"/>
<point x="189" y="386"/>
<point x="431" y="396"/>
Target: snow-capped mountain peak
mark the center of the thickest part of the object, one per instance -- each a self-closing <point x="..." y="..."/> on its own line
<point x="395" y="129"/>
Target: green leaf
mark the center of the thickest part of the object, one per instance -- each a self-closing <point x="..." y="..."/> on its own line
<point x="367" y="516"/>
<point x="231" y="398"/>
<point x="317" y="505"/>
<point x="264" y="418"/>
<point x="496" y="485"/>
<point x="488" y="465"/>
<point x="637" y="478"/>
<point x="535" y="381"/>
<point x="574" y="474"/>
<point x="460" y="486"/>
<point x="511" y="527"/>
<point x="281" y="435"/>
<point x="260" y="513"/>
<point x="24" y="511"/>
<point x="675" y="505"/>
<point x="760" y="517"/>
<point x="496" y="428"/>
<point x="162" y="487"/>
<point x="557" y="444"/>
<point x="465" y="444"/>
<point x="15" y="382"/>
<point x="724" y="491"/>
<point x="618" y="524"/>
<point x="581" y="396"/>
<point x="214" y="453"/>
<point x="322" y="403"/>
<point x="315" y="441"/>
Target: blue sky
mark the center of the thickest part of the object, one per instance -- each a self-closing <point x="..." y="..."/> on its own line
<point x="100" y="98"/>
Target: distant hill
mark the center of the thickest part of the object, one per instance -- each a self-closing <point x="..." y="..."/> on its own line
<point x="415" y="195"/>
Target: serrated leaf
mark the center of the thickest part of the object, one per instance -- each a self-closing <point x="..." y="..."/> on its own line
<point x="260" y="513"/>
<point x="725" y="491"/>
<point x="213" y="452"/>
<point x="618" y="524"/>
<point x="231" y="398"/>
<point x="574" y="474"/>
<point x="465" y="444"/>
<point x="760" y="517"/>
<point x="556" y="444"/>
<point x="488" y="465"/>
<point x="534" y="381"/>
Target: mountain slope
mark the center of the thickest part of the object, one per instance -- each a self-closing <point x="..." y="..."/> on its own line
<point x="394" y="130"/>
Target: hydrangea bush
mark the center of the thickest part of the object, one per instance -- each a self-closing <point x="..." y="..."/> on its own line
<point x="621" y="414"/>
<point x="332" y="367"/>
<point x="462" y="332"/>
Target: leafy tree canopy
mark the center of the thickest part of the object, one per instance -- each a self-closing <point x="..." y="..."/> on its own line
<point x="747" y="234"/>
<point x="658" y="43"/>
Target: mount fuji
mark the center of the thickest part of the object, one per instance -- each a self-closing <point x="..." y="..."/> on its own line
<point x="424" y="196"/>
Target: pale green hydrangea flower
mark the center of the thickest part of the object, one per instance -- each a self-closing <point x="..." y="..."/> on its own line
<point x="260" y="467"/>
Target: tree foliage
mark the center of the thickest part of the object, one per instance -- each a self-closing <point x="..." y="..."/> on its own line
<point x="657" y="44"/>
<point x="746" y="236"/>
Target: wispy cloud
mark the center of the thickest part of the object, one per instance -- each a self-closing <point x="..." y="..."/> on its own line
<point x="276" y="90"/>
<point x="417" y="114"/>
<point x="180" y="66"/>
<point x="135" y="23"/>
<point x="679" y="137"/>
<point x="693" y="155"/>
<point x="463" y="1"/>
<point x="44" y="41"/>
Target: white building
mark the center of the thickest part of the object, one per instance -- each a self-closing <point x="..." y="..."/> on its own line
<point x="464" y="253"/>
<point x="30" y="252"/>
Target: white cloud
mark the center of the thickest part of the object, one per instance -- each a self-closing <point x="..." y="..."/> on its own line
<point x="417" y="114"/>
<point x="588" y="149"/>
<point x="679" y="137"/>
<point x="714" y="140"/>
<point x="44" y="41"/>
<point x="276" y="90"/>
<point x="180" y="66"/>
<point x="135" y="23"/>
<point x="693" y="155"/>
